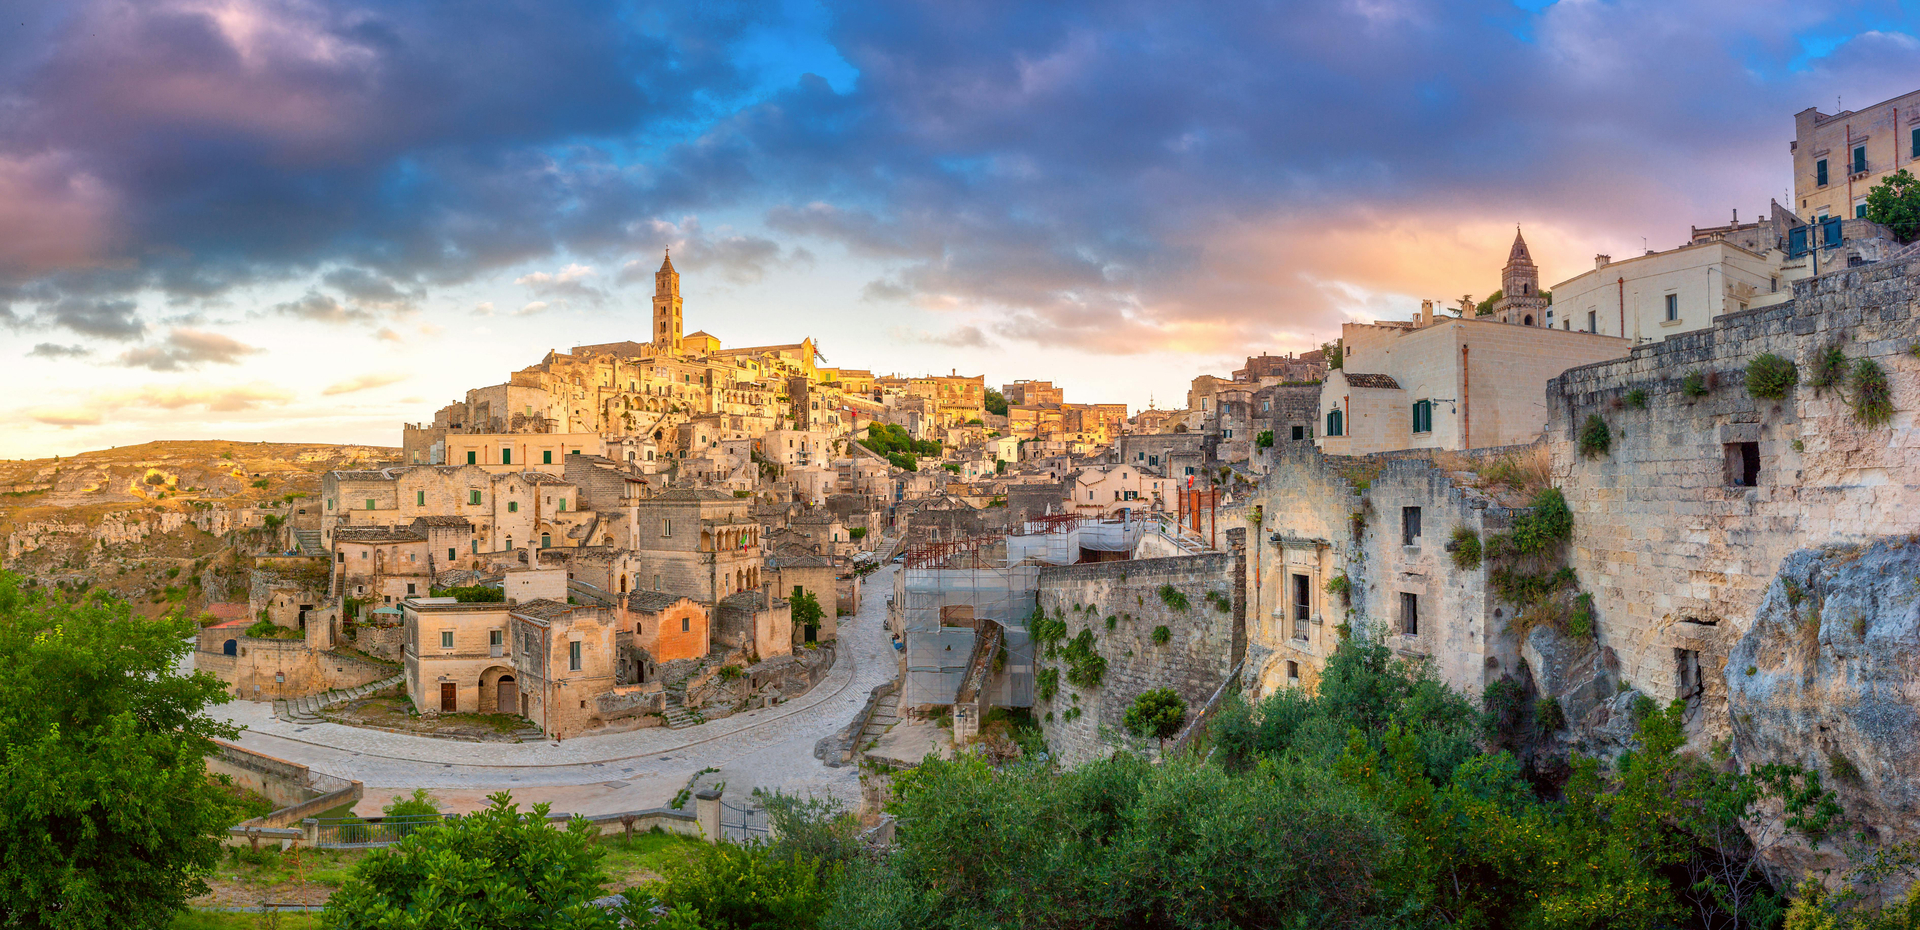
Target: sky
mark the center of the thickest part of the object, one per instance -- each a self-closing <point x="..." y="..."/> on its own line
<point x="297" y="220"/>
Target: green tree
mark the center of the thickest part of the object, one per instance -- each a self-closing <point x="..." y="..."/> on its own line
<point x="1333" y="353"/>
<point x="107" y="816"/>
<point x="495" y="868"/>
<point x="731" y="887"/>
<point x="1156" y="714"/>
<point x="1895" y="203"/>
<point x="996" y="403"/>
<point x="805" y="607"/>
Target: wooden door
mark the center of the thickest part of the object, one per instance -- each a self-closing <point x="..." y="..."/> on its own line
<point x="509" y="696"/>
<point x="449" y="697"/>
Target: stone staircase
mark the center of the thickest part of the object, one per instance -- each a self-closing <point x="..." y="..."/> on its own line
<point x="678" y="715"/>
<point x="307" y="709"/>
<point x="529" y="734"/>
<point x="308" y="540"/>
<point x="884" y="716"/>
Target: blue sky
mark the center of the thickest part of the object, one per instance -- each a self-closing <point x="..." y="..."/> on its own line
<point x="294" y="219"/>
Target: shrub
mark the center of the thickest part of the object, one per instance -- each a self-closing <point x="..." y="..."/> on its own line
<point x="730" y="886"/>
<point x="1465" y="546"/>
<point x="1872" y="395"/>
<point x="732" y="673"/>
<point x="1595" y="439"/>
<point x="1221" y="601"/>
<point x="1548" y="716"/>
<point x="1161" y="635"/>
<point x="1895" y="203"/>
<point x="421" y="803"/>
<point x="261" y="483"/>
<point x="1547" y="521"/>
<point x="1173" y="597"/>
<point x="1829" y="368"/>
<point x="1264" y="440"/>
<point x="1770" y="377"/>
<point x="1637" y="398"/>
<point x="473" y="594"/>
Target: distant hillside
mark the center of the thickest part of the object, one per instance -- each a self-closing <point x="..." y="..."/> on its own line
<point x="167" y="524"/>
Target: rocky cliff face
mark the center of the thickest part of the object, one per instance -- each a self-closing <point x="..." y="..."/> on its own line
<point x="1828" y="678"/>
<point x="167" y="525"/>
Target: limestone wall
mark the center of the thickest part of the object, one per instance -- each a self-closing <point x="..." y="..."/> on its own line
<point x="1676" y="558"/>
<point x="1204" y="642"/>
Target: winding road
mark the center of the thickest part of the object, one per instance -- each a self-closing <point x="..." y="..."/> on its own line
<point x="770" y="748"/>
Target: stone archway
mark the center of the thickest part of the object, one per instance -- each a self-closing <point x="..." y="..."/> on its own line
<point x="499" y="691"/>
<point x="232" y="648"/>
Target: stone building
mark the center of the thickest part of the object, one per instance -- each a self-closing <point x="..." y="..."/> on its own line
<point x="703" y="544"/>
<point x="1521" y="302"/>
<point x="1446" y="383"/>
<point x="793" y="569"/>
<point x="564" y="657"/>
<point x="663" y="628"/>
<point x="1107" y="490"/>
<point x="1660" y="294"/>
<point x="1839" y="157"/>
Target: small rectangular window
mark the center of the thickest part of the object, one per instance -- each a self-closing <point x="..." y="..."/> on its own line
<point x="546" y="457"/>
<point x="419" y="498"/>
<point x="563" y="503"/>
<point x="369" y="503"/>
<point x="666" y="526"/>
<point x="1820" y="172"/>
<point x="1409" y="614"/>
<point x="476" y="546"/>
<point x="410" y="589"/>
<point x="573" y="656"/>
<point x="493" y="637"/>
<point x="1860" y="210"/>
<point x="1859" y="159"/>
<point x="506" y="456"/>
<point x="1410" y="526"/>
<point x="1743" y="464"/>
<point x="471" y="456"/>
<point x="1593" y="321"/>
<point x="1915" y="151"/>
<point x="446" y="639"/>
<point x="452" y="553"/>
<point x="513" y="506"/>
<point x="1673" y="307"/>
<point x="686" y="624"/>
<point x="1423" y="416"/>
<point x="473" y="497"/>
<point x="1299" y="433"/>
<point x="1293" y="673"/>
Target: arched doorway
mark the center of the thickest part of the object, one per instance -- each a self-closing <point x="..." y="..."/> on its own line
<point x="499" y="692"/>
<point x="232" y="648"/>
<point x="508" y="697"/>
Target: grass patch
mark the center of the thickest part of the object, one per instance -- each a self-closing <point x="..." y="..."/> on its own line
<point x="1637" y="398"/>
<point x="228" y="920"/>
<point x="1173" y="597"/>
<point x="644" y="857"/>
<point x="1694" y="386"/>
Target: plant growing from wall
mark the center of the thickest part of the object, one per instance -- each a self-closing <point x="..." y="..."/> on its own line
<point x="1221" y="601"/>
<point x="1046" y="683"/>
<point x="1829" y="368"/>
<point x="1595" y="439"/>
<point x="1872" y="395"/>
<point x="1264" y="440"/>
<point x="1340" y="587"/>
<point x="1162" y="635"/>
<point x="1173" y="597"/>
<point x="1046" y="632"/>
<point x="1465" y="548"/>
<point x="1085" y="667"/>
<point x="1637" y="398"/>
<point x="1112" y="621"/>
<point x="1694" y="385"/>
<point x="1770" y="377"/>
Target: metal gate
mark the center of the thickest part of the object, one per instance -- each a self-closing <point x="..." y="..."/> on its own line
<point x="743" y="824"/>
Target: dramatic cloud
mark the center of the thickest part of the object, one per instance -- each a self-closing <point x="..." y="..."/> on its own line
<point x="1115" y="177"/>
<point x="960" y="337"/>
<point x="53" y="350"/>
<point x="187" y="348"/>
<point x="365" y="382"/>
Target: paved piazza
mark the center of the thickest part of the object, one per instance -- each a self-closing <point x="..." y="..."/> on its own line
<point x="607" y="773"/>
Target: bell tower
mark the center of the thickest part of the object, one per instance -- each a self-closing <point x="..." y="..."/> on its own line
<point x="1520" y="301"/>
<point x="666" y="305"/>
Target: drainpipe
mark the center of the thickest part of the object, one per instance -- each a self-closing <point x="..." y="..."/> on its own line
<point x="1466" y="393"/>
<point x="1622" y="284"/>
<point x="1849" y="164"/>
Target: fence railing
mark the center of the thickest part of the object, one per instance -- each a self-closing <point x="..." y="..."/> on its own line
<point x="352" y="832"/>
<point x="744" y="823"/>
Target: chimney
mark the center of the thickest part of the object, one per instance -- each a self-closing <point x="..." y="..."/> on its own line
<point x="1736" y="216"/>
<point x="1426" y="313"/>
<point x="1601" y="261"/>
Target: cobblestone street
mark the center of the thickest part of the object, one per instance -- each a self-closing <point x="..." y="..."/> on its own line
<point x="771" y="748"/>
